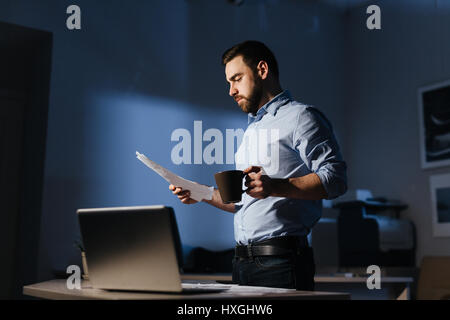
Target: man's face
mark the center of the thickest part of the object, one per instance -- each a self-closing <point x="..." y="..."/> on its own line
<point x="245" y="85"/>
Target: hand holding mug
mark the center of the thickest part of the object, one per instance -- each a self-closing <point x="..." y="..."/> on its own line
<point x="259" y="184"/>
<point x="230" y="184"/>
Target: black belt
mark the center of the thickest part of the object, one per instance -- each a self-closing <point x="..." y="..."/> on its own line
<point x="272" y="247"/>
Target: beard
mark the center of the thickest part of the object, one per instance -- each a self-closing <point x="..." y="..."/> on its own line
<point x="250" y="104"/>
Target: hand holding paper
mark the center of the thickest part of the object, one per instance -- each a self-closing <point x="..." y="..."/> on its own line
<point x="198" y="191"/>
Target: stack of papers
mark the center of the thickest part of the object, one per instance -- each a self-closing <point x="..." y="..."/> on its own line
<point x="198" y="191"/>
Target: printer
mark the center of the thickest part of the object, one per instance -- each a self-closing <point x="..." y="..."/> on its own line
<point x="371" y="232"/>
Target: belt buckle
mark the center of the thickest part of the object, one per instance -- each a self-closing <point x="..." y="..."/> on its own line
<point x="250" y="251"/>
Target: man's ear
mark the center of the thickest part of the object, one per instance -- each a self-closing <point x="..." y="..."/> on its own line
<point x="263" y="69"/>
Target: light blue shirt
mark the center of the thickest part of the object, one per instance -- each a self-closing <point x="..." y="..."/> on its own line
<point x="288" y="139"/>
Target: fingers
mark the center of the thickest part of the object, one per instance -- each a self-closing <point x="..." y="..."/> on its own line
<point x="177" y="190"/>
<point x="253" y="184"/>
<point x="252" y="169"/>
<point x="257" y="192"/>
<point x="183" y="195"/>
<point x="258" y="186"/>
<point x="252" y="177"/>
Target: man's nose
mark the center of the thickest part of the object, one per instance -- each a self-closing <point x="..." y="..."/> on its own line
<point x="233" y="91"/>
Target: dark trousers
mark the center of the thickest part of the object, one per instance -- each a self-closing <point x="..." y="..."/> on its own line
<point x="294" y="271"/>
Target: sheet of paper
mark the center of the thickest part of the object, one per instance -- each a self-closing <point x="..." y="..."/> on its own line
<point x="198" y="191"/>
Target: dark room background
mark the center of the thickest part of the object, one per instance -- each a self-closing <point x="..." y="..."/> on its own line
<point x="138" y="70"/>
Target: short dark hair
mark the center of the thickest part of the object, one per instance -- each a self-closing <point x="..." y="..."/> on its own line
<point x="252" y="53"/>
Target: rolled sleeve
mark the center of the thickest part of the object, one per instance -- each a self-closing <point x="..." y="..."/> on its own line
<point x="319" y="150"/>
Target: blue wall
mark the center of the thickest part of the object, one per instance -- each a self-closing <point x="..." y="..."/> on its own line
<point x="137" y="71"/>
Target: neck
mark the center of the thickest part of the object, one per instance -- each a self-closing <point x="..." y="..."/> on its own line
<point x="269" y="94"/>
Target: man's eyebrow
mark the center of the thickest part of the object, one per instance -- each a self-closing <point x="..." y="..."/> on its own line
<point x="234" y="76"/>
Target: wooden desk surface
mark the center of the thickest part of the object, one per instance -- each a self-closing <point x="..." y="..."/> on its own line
<point x="317" y="279"/>
<point x="57" y="290"/>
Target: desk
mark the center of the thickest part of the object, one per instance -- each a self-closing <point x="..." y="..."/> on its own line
<point x="57" y="290"/>
<point x="391" y="287"/>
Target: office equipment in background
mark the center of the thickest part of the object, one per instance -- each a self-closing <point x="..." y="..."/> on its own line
<point x="134" y="248"/>
<point x="324" y="241"/>
<point x="370" y="231"/>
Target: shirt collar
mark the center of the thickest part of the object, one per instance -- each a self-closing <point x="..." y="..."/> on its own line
<point x="271" y="106"/>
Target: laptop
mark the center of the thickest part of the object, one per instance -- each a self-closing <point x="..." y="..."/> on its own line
<point x="135" y="249"/>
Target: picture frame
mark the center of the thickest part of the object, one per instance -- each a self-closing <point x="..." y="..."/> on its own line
<point x="440" y="204"/>
<point x="434" y="123"/>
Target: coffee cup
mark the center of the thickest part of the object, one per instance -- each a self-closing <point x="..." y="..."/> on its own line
<point x="229" y="184"/>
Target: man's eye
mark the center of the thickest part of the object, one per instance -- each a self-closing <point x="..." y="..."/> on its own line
<point x="238" y="79"/>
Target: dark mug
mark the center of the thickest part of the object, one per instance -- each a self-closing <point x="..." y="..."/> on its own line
<point x="229" y="184"/>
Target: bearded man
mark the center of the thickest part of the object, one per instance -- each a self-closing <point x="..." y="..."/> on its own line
<point x="284" y="197"/>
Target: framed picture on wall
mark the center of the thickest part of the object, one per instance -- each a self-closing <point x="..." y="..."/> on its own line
<point x="440" y="202"/>
<point x="434" y="117"/>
